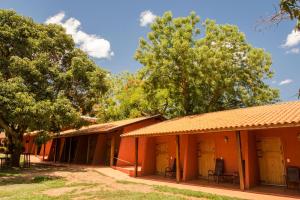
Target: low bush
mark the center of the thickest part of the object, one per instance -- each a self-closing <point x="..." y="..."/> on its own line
<point x="2" y="149"/>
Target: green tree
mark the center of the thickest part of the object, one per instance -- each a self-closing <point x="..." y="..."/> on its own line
<point x="125" y="99"/>
<point x="292" y="9"/>
<point x="288" y="10"/>
<point x="46" y="83"/>
<point x="191" y="73"/>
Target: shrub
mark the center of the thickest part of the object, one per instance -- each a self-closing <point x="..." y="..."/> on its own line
<point x="2" y="149"/>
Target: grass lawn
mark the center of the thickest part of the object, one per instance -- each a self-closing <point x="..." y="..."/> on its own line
<point x="41" y="182"/>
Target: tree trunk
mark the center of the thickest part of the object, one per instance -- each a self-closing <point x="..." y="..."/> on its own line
<point x="15" y="158"/>
<point x="15" y="139"/>
<point x="16" y="148"/>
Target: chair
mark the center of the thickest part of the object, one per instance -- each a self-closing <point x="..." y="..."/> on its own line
<point x="171" y="170"/>
<point x="292" y="176"/>
<point x="219" y="170"/>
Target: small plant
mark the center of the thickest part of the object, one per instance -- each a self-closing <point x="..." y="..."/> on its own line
<point x="3" y="149"/>
<point x="39" y="179"/>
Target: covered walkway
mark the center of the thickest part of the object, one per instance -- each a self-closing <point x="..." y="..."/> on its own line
<point x="261" y="192"/>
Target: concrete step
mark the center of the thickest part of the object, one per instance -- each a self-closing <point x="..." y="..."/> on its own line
<point x="128" y="170"/>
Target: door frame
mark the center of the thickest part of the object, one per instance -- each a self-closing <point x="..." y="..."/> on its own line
<point x="197" y="148"/>
<point x="168" y="155"/>
<point x="258" y="137"/>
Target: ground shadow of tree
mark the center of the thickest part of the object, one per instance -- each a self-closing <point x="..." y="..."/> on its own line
<point x="35" y="174"/>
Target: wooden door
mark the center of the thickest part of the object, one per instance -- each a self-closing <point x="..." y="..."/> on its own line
<point x="162" y="158"/>
<point x="206" y="157"/>
<point x="270" y="161"/>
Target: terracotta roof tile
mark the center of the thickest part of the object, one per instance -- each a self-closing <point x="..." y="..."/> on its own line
<point x="284" y="114"/>
<point x="105" y="127"/>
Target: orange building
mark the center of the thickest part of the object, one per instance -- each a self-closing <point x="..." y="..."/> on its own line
<point x="255" y="144"/>
<point x="29" y="144"/>
<point x="2" y="138"/>
<point x="98" y="144"/>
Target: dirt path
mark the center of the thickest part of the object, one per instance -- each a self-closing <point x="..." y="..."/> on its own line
<point x="83" y="180"/>
<point x="86" y="182"/>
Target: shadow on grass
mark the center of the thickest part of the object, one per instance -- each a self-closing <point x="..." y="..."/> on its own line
<point x="35" y="174"/>
<point x="192" y="193"/>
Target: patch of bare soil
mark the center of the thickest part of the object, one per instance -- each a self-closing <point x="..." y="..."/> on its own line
<point x="79" y="180"/>
<point x="60" y="191"/>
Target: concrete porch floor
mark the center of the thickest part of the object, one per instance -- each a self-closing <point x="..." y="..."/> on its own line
<point x="226" y="189"/>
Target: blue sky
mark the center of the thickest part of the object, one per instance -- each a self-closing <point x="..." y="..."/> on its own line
<point x="116" y="25"/>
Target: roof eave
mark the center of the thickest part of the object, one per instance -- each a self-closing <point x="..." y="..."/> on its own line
<point x="90" y="131"/>
<point x="246" y="128"/>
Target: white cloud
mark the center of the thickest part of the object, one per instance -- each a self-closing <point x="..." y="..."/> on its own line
<point x="56" y="19"/>
<point x="294" y="51"/>
<point x="93" y="45"/>
<point x="146" y="18"/>
<point x="292" y="39"/>
<point x="285" y="82"/>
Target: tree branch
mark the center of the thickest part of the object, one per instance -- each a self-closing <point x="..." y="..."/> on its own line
<point x="4" y="125"/>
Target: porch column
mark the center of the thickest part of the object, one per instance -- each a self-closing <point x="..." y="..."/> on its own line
<point x="239" y="159"/>
<point x="112" y="150"/>
<point x="178" y="171"/>
<point x="88" y="150"/>
<point x="55" y="149"/>
<point x="136" y="162"/>
<point x="70" y="149"/>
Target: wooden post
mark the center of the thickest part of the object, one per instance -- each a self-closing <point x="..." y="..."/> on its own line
<point x="70" y="148"/>
<point x="136" y="162"/>
<point x="55" y="149"/>
<point x="178" y="171"/>
<point x="112" y="150"/>
<point x="240" y="161"/>
<point x="88" y="150"/>
<point x="44" y="151"/>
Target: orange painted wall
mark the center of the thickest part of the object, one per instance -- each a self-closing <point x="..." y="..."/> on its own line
<point x="148" y="166"/>
<point x="148" y="161"/>
<point x="127" y="145"/>
<point x="47" y="150"/>
<point x="291" y="145"/>
<point x="189" y="154"/>
<point x="28" y="144"/>
<point x="250" y="158"/>
<point x="141" y="124"/>
<point x="291" y="149"/>
<point x="127" y="151"/>
<point x="224" y="150"/>
<point x="99" y="154"/>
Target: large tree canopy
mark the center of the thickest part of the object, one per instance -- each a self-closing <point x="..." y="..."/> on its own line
<point x="125" y="99"/>
<point x="185" y="72"/>
<point x="46" y="83"/>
